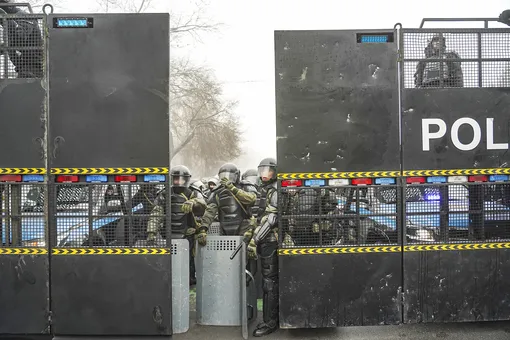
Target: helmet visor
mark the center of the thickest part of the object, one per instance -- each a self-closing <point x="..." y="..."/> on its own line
<point x="267" y="173"/>
<point x="231" y="176"/>
<point x="179" y="181"/>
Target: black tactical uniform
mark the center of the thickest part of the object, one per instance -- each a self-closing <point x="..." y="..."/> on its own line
<point x="187" y="205"/>
<point x="435" y="73"/>
<point x="23" y="36"/>
<point x="267" y="248"/>
<point x="232" y="202"/>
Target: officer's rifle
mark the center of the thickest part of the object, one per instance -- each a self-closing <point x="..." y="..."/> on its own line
<point x="264" y="230"/>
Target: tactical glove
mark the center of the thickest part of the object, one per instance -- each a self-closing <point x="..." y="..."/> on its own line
<point x="252" y="250"/>
<point x="151" y="239"/>
<point x="201" y="237"/>
<point x="226" y="182"/>
<point x="187" y="206"/>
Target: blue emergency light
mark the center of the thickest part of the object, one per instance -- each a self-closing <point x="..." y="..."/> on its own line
<point x="71" y="22"/>
<point x="498" y="178"/>
<point x="33" y="178"/>
<point x="315" y="183"/>
<point x="436" y="179"/>
<point x="154" y="178"/>
<point x="385" y="181"/>
<point x="374" y="38"/>
<point x="96" y="178"/>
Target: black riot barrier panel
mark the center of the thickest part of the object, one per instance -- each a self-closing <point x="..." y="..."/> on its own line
<point x="24" y="272"/>
<point x="106" y="278"/>
<point x="109" y="90"/>
<point x="338" y="142"/>
<point x="22" y="96"/>
<point x="24" y="287"/>
<point x="347" y="244"/>
<point x="109" y="147"/>
<point x="455" y="156"/>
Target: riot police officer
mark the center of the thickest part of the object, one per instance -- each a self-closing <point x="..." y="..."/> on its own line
<point x="24" y="36"/>
<point x="439" y="74"/>
<point x="187" y="204"/>
<point x="267" y="247"/>
<point x="232" y="202"/>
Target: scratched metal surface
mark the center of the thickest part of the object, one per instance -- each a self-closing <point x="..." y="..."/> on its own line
<point x="336" y="103"/>
<point x="22" y="126"/>
<point x="456" y="286"/>
<point x="340" y="290"/>
<point x="24" y="294"/>
<point x="111" y="295"/>
<point x="109" y="92"/>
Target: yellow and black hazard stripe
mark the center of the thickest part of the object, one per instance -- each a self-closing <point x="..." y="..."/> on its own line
<point x="456" y="172"/>
<point x="109" y="171"/>
<point x="23" y="251"/>
<point x="22" y="171"/>
<point x="333" y="175"/>
<point x="458" y="246"/>
<point x="110" y="251"/>
<point x="339" y="250"/>
<point x="391" y="249"/>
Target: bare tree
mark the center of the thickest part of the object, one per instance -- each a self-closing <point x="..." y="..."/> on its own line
<point x="132" y="6"/>
<point x="37" y="5"/>
<point x="204" y="125"/>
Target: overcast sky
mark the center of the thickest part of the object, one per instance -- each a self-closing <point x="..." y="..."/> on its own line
<point x="242" y="53"/>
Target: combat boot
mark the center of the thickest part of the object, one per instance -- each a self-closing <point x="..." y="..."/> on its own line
<point x="265" y="328"/>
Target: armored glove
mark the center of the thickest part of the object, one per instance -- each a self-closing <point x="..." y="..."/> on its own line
<point x="252" y="250"/>
<point x="201" y="237"/>
<point x="187" y="206"/>
<point x="226" y="182"/>
<point x="190" y="232"/>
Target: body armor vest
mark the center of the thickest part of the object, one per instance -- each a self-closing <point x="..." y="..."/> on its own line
<point x="435" y="71"/>
<point x="179" y="220"/>
<point x="230" y="212"/>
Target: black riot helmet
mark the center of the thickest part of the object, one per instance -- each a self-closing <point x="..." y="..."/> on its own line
<point x="252" y="176"/>
<point x="230" y="171"/>
<point x="267" y="170"/>
<point x="436" y="43"/>
<point x="180" y="176"/>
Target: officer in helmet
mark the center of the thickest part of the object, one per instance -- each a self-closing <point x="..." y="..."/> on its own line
<point x="212" y="184"/>
<point x="438" y="73"/>
<point x="232" y="202"/>
<point x="252" y="176"/>
<point x="187" y="205"/>
<point x="267" y="248"/>
<point x="23" y="37"/>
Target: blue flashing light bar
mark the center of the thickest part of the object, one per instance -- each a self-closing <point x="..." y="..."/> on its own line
<point x="65" y="22"/>
<point x="154" y="178"/>
<point x="315" y="183"/>
<point x="374" y="38"/>
<point x="385" y="181"/>
<point x="437" y="179"/>
<point x="498" y="178"/>
<point x="33" y="178"/>
<point x="96" y="178"/>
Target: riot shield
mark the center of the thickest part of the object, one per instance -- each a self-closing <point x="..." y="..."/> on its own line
<point x="24" y="292"/>
<point x="455" y="153"/>
<point x="338" y="145"/>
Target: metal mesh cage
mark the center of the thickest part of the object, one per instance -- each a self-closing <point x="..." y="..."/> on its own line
<point x="21" y="45"/>
<point x="333" y="216"/>
<point x="21" y="224"/>
<point x="446" y="58"/>
<point x="453" y="213"/>
<point x="108" y="215"/>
